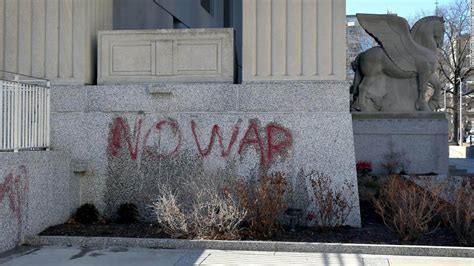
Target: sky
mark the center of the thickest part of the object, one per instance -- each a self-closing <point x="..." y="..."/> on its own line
<point x="403" y="8"/>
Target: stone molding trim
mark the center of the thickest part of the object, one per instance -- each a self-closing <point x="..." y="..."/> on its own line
<point x="150" y="56"/>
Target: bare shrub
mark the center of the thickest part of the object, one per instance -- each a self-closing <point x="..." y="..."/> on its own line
<point x="264" y="203"/>
<point x="170" y="215"/>
<point x="216" y="216"/>
<point x="204" y="211"/>
<point x="460" y="215"/>
<point x="406" y="208"/>
<point x="332" y="206"/>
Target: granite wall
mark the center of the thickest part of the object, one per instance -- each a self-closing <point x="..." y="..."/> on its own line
<point x="36" y="191"/>
<point x="416" y="141"/>
<point x="130" y="138"/>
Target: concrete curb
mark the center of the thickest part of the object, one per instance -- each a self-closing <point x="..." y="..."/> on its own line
<point x="102" y="242"/>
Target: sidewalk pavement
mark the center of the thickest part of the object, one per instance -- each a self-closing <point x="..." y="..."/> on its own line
<point x="51" y="255"/>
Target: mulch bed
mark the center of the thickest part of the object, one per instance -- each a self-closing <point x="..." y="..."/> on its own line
<point x="373" y="231"/>
<point x="139" y="230"/>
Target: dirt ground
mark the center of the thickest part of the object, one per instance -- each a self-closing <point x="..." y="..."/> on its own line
<point x="373" y="231"/>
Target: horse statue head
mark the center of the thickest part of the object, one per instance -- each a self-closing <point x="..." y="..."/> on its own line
<point x="429" y="32"/>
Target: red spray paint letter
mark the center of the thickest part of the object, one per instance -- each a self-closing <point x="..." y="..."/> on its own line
<point x="159" y="126"/>
<point x="216" y="132"/>
<point x="15" y="187"/>
<point x="247" y="140"/>
<point x="120" y="130"/>
<point x="282" y="145"/>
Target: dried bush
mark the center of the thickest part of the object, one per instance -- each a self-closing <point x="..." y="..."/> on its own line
<point x="264" y="202"/>
<point x="87" y="214"/>
<point x="332" y="206"/>
<point x="204" y="212"/>
<point x="170" y="215"/>
<point x="217" y="216"/>
<point x="406" y="208"/>
<point x="127" y="213"/>
<point x="460" y="215"/>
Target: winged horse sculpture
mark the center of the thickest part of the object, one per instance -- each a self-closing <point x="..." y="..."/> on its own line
<point x="394" y="76"/>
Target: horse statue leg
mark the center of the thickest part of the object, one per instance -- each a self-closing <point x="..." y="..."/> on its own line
<point x="355" y="90"/>
<point x="438" y="87"/>
<point x="423" y="79"/>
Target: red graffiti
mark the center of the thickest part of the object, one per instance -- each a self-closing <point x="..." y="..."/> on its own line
<point x="277" y="139"/>
<point x="120" y="130"/>
<point x="256" y="141"/>
<point x="216" y="132"/>
<point x="285" y="141"/>
<point x="159" y="126"/>
<point x="15" y="188"/>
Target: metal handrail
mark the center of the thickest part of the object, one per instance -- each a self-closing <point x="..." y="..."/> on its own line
<point x="17" y="78"/>
<point x="24" y="114"/>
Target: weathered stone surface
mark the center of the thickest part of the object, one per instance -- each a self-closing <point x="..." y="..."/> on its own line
<point x="133" y="137"/>
<point x="418" y="139"/>
<point x="36" y="192"/>
<point x="294" y="96"/>
<point x="211" y="97"/>
<point x="147" y="56"/>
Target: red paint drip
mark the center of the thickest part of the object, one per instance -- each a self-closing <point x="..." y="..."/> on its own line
<point x="215" y="132"/>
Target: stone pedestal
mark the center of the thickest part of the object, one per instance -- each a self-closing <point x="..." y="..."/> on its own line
<point x="417" y="140"/>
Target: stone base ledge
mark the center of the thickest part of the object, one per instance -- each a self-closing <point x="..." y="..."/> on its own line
<point x="383" y="115"/>
<point x="401" y="250"/>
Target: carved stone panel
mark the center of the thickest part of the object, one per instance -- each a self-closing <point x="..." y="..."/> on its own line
<point x="148" y="56"/>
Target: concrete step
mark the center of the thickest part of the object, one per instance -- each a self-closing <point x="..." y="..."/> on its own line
<point x="459" y="173"/>
<point x="460" y="170"/>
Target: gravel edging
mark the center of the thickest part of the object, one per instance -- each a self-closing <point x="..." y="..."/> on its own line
<point x="103" y="242"/>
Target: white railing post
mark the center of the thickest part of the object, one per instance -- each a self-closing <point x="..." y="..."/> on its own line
<point x="16" y="114"/>
<point x="48" y="114"/>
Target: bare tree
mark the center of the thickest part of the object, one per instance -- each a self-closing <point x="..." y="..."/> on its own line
<point x="454" y="64"/>
<point x="357" y="42"/>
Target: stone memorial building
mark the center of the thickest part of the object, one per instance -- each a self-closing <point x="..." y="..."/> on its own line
<point x="145" y="90"/>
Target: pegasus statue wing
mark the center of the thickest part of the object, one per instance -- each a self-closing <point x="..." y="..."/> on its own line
<point x="393" y="34"/>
